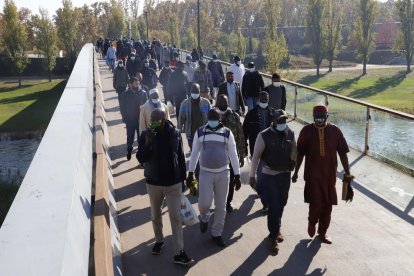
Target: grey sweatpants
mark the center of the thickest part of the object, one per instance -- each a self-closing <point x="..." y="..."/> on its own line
<point x="173" y="197"/>
<point x="213" y="185"/>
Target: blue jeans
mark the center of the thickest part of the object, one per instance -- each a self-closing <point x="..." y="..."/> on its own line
<point x="251" y="102"/>
<point x="131" y="128"/>
<point x="275" y="191"/>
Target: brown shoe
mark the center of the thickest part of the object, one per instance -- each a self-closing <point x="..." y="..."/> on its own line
<point x="274" y="247"/>
<point x="325" y="239"/>
<point x="280" y="237"/>
<point x="311" y="230"/>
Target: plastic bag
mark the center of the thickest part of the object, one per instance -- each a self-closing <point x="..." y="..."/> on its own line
<point x="187" y="212"/>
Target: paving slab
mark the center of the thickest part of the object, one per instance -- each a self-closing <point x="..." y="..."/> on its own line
<point x="373" y="235"/>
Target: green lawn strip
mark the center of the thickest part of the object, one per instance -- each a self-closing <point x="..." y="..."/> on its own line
<point x="28" y="108"/>
<point x="391" y="88"/>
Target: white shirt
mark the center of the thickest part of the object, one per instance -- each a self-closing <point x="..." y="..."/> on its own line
<point x="238" y="72"/>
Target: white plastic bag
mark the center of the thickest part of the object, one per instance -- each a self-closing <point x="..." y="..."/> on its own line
<point x="187" y="212"/>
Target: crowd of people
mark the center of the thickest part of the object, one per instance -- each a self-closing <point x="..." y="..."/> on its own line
<point x="226" y="117"/>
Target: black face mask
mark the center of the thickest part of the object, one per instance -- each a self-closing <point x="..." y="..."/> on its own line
<point x="222" y="107"/>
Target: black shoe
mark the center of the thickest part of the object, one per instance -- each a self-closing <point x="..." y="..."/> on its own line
<point x="219" y="241"/>
<point x="203" y="226"/>
<point x="129" y="155"/>
<point x="183" y="259"/>
<point x="229" y="208"/>
<point x="157" y="248"/>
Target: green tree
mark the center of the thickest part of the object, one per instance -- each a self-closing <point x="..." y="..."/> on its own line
<point x="364" y="30"/>
<point x="14" y="38"/>
<point x="317" y="31"/>
<point x="173" y="30"/>
<point x="46" y="40"/>
<point x="241" y="45"/>
<point x="405" y="39"/>
<point x="116" y="21"/>
<point x="275" y="53"/>
<point x="67" y="30"/>
<point x="333" y="36"/>
<point x="87" y="26"/>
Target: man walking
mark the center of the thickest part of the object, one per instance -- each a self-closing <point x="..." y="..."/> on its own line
<point x="214" y="145"/>
<point x="238" y="69"/>
<point x="277" y="93"/>
<point x="217" y="75"/>
<point x="276" y="147"/>
<point x="231" y="120"/>
<point x="120" y="80"/>
<point x="132" y="99"/>
<point x="177" y="86"/>
<point x="202" y="76"/>
<point x="160" y="149"/>
<point x="319" y="143"/>
<point x="152" y="103"/>
<point x="231" y="89"/>
<point x="251" y="86"/>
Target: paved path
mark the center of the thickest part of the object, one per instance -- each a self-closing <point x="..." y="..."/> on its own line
<point x="371" y="236"/>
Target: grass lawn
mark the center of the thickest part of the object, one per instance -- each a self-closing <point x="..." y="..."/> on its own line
<point x="392" y="87"/>
<point x="28" y="108"/>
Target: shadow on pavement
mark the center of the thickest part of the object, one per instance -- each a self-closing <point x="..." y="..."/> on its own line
<point x="131" y="190"/>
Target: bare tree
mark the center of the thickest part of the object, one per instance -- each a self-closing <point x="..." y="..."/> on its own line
<point x="333" y="35"/>
<point x="405" y="39"/>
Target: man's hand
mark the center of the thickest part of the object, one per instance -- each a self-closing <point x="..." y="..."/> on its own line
<point x="189" y="180"/>
<point x="150" y="136"/>
<point x="348" y="178"/>
<point x="295" y="177"/>
<point x="237" y="182"/>
<point x="241" y="162"/>
<point x="252" y="182"/>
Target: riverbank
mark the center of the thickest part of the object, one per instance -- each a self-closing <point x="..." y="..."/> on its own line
<point x="390" y="87"/>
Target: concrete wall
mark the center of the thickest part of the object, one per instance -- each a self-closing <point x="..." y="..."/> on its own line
<point x="47" y="230"/>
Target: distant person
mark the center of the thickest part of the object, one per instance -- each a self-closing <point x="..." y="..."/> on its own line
<point x="160" y="148"/>
<point x="202" y="76"/>
<point x="152" y="103"/>
<point x="133" y="65"/>
<point x="165" y="73"/>
<point x="132" y="99"/>
<point x="276" y="148"/>
<point x="177" y="86"/>
<point x="232" y="90"/>
<point x="238" y="70"/>
<point x="277" y="93"/>
<point x="149" y="76"/>
<point x="214" y="146"/>
<point x="320" y="143"/>
<point x="120" y="79"/>
<point x="251" y="86"/>
<point x="217" y="74"/>
<point x="111" y="55"/>
<point x="189" y="68"/>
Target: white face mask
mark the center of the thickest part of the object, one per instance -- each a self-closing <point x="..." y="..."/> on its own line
<point x="263" y="105"/>
<point x="251" y="69"/>
<point x="132" y="58"/>
<point x="238" y="62"/>
<point x="280" y="127"/>
<point x="195" y="96"/>
<point x="277" y="83"/>
<point x="155" y="101"/>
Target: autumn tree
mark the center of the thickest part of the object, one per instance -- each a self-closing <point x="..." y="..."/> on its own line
<point x="405" y="38"/>
<point x="116" y="21"/>
<point x="14" y="38"/>
<point x="46" y="40"/>
<point x="333" y="32"/>
<point x="364" y="30"/>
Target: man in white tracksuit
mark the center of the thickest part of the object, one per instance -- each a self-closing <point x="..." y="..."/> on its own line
<point x="214" y="145"/>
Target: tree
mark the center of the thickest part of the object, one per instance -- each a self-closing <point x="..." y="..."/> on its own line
<point x="26" y="19"/>
<point x="14" y="38"/>
<point x="405" y="40"/>
<point x="67" y="30"/>
<point x="46" y="40"/>
<point x="173" y="30"/>
<point x="317" y="30"/>
<point x="333" y="36"/>
<point x="364" y="30"/>
<point x="116" y="21"/>
<point x="275" y="53"/>
<point x="87" y="26"/>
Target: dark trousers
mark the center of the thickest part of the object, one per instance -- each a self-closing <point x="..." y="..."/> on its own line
<point x="131" y="130"/>
<point x="320" y="213"/>
<point x="231" y="186"/>
<point x="120" y="91"/>
<point x="275" y="193"/>
<point x="178" y="102"/>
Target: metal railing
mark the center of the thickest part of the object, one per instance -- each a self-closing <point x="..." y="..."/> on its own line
<point x="377" y="131"/>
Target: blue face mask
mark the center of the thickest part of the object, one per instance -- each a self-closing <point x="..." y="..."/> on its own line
<point x="213" y="124"/>
<point x="280" y="127"/>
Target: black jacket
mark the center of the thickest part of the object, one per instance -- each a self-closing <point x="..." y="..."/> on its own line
<point x="252" y="84"/>
<point x="251" y="127"/>
<point x="163" y="159"/>
<point x="133" y="67"/>
<point x="177" y="84"/>
<point x="222" y="89"/>
<point x="149" y="77"/>
<point x="130" y="105"/>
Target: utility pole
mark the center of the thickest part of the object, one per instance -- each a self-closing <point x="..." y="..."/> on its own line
<point x="146" y="22"/>
<point x="198" y="24"/>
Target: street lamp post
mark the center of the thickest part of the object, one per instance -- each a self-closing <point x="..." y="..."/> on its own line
<point x="146" y="22"/>
<point x="198" y="23"/>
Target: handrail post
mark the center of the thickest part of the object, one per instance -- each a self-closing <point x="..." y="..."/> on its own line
<point x="367" y="127"/>
<point x="326" y="100"/>
<point x="295" y="105"/>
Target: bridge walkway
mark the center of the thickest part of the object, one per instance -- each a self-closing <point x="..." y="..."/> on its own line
<point x="371" y="236"/>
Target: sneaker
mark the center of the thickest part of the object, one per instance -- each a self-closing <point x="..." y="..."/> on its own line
<point x="274" y="246"/>
<point x="264" y="210"/>
<point x="157" y="248"/>
<point x="280" y="237"/>
<point x="229" y="208"/>
<point x="183" y="259"/>
<point x="203" y="226"/>
<point x="129" y="155"/>
<point x="219" y="241"/>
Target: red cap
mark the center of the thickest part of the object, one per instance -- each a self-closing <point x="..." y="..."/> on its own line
<point x="320" y="109"/>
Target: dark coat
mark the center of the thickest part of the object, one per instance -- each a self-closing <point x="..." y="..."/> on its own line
<point x="252" y="84"/>
<point x="223" y="90"/>
<point x="149" y="77"/>
<point x="177" y="84"/>
<point x="217" y="74"/>
<point x="130" y="105"/>
<point x="163" y="159"/>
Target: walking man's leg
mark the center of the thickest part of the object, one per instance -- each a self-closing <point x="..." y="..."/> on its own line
<point x="221" y="187"/>
<point x="156" y="195"/>
<point x="173" y="196"/>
